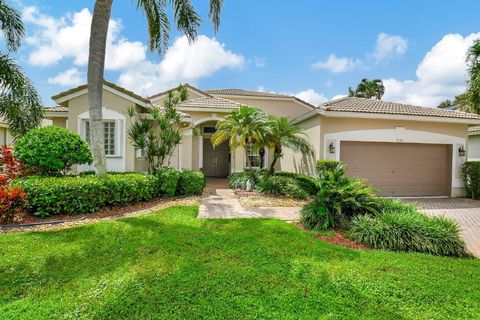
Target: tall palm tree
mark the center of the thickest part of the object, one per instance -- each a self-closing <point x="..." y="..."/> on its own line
<point x="285" y="133"/>
<point x="20" y="104"/>
<point x="368" y="89"/>
<point x="186" y="20"/>
<point x="245" y="127"/>
<point x="473" y="90"/>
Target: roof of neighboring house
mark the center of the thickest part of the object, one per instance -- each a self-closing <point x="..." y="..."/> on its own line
<point x="243" y="92"/>
<point x="55" y="109"/>
<point x="362" y="105"/>
<point x="209" y="103"/>
<point x="107" y="83"/>
<point x="189" y="86"/>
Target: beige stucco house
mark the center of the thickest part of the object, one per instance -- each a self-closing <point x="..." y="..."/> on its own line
<point x="402" y="150"/>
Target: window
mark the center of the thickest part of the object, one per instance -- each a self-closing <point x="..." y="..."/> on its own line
<point x="209" y="129"/>
<point x="256" y="156"/>
<point x="109" y="136"/>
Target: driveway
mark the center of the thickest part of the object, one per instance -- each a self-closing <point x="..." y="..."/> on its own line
<point x="465" y="211"/>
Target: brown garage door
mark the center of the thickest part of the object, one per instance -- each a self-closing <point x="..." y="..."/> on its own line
<point x="400" y="169"/>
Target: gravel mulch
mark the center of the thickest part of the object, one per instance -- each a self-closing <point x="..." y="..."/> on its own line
<point x="250" y="199"/>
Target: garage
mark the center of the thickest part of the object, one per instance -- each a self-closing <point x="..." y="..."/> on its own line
<point x="400" y="169"/>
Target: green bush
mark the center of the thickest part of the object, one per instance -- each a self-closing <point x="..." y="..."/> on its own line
<point x="279" y="185"/>
<point x="400" y="227"/>
<point x="52" y="150"/>
<point x="340" y="198"/>
<point x="190" y="183"/>
<point x="238" y="180"/>
<point x="324" y="166"/>
<point x="167" y="180"/>
<point x="471" y="179"/>
<point x="309" y="184"/>
<point x="74" y="195"/>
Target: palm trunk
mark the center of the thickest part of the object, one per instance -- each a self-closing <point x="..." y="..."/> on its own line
<point x="276" y="154"/>
<point x="96" y="64"/>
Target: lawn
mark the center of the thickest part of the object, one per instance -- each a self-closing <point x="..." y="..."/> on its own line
<point x="172" y="265"/>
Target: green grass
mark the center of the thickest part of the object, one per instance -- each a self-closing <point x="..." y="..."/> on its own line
<point x="171" y="265"/>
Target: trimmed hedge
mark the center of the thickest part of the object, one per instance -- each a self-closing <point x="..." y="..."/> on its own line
<point x="190" y="183"/>
<point x="74" y="195"/>
<point x="167" y="180"/>
<point x="471" y="179"/>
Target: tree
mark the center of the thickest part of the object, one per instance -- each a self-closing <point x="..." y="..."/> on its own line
<point x="186" y="20"/>
<point x="445" y="104"/>
<point x="473" y="63"/>
<point x="285" y="133"/>
<point x="157" y="137"/>
<point x="244" y="127"/>
<point x="368" y="89"/>
<point x="20" y="103"/>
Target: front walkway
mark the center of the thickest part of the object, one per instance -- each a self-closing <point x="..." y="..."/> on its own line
<point x="219" y="201"/>
<point x="465" y="212"/>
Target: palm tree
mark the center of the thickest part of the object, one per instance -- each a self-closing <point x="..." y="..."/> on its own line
<point x="244" y="127"/>
<point x="285" y="133"/>
<point x="186" y="20"/>
<point x="20" y="104"/>
<point x="473" y="90"/>
<point x="368" y="89"/>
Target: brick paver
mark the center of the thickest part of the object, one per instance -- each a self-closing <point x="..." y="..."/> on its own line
<point x="465" y="212"/>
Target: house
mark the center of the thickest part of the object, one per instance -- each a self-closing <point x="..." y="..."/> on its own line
<point x="402" y="150"/>
<point x="474" y="143"/>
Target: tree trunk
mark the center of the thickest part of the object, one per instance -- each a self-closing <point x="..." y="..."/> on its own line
<point x="276" y="154"/>
<point x="96" y="64"/>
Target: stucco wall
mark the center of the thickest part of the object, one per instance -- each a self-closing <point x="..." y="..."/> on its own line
<point x="473" y="147"/>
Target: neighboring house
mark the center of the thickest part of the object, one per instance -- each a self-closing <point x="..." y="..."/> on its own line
<point x="402" y="150"/>
<point x="474" y="143"/>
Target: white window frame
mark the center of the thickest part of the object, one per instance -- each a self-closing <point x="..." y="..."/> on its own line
<point x="251" y="153"/>
<point x="117" y="136"/>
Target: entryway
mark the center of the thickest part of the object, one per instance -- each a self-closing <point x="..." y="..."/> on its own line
<point x="216" y="161"/>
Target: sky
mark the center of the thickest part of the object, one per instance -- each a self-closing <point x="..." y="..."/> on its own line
<point x="314" y="50"/>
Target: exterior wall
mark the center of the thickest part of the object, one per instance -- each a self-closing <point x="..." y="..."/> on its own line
<point x="334" y="130"/>
<point x="5" y="136"/>
<point x="59" y="122"/>
<point x="473" y="147"/>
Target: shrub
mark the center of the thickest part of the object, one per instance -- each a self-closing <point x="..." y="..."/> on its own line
<point x="167" y="180"/>
<point x="401" y="227"/>
<point x="278" y="185"/>
<point x="52" y="150"/>
<point x="471" y="179"/>
<point x="238" y="180"/>
<point x="305" y="182"/>
<point x="190" y="183"/>
<point x="12" y="200"/>
<point x="10" y="167"/>
<point x="324" y="166"/>
<point x="340" y="198"/>
<point x="73" y="195"/>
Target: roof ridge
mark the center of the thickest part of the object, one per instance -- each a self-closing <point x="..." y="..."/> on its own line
<point x="186" y="84"/>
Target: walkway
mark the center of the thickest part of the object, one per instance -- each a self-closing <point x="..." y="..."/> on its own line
<point x="465" y="212"/>
<point x="219" y="201"/>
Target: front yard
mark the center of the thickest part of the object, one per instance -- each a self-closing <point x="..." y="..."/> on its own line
<point x="172" y="265"/>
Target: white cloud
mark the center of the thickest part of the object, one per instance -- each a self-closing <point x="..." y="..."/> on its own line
<point x="68" y="38"/>
<point x="311" y="96"/>
<point x="70" y="77"/>
<point x="338" y="96"/>
<point x="441" y="74"/>
<point x="388" y="46"/>
<point x="336" y="64"/>
<point x="183" y="62"/>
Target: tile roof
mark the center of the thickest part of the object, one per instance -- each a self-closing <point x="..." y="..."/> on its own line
<point x="107" y="83"/>
<point x="188" y="85"/>
<point x="55" y="109"/>
<point x="474" y="129"/>
<point x="243" y="92"/>
<point x="362" y="105"/>
<point x="209" y="103"/>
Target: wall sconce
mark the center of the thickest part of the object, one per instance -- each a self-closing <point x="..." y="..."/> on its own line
<point x="461" y="151"/>
<point x="331" y="148"/>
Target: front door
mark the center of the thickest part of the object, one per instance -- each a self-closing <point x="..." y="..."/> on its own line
<point x="216" y="162"/>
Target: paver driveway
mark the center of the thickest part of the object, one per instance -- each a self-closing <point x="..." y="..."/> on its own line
<point x="465" y="211"/>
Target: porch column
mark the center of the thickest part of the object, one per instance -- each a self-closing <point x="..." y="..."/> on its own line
<point x="185" y="150"/>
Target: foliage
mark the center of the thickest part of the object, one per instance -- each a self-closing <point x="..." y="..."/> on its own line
<point x="282" y="185"/>
<point x="324" y="166"/>
<point x="238" y="180"/>
<point x="190" y="183"/>
<point x="153" y="266"/>
<point x="167" y="180"/>
<point x="285" y="133"/>
<point x="471" y="179"/>
<point x="473" y="69"/>
<point x="309" y="184"/>
<point x="446" y="104"/>
<point x="158" y="137"/>
<point x="75" y="195"/>
<point x="461" y="103"/>
<point x="340" y="198"/>
<point x="368" y="89"/>
<point x="52" y="150"/>
<point x="400" y="227"/>
<point x="245" y="126"/>
<point x="12" y="199"/>
<point x="10" y="167"/>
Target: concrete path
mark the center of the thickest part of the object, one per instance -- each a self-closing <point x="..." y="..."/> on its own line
<point x="465" y="212"/>
<point x="219" y="201"/>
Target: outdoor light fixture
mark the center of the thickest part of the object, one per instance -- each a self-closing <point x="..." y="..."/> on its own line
<point x="461" y="151"/>
<point x="331" y="148"/>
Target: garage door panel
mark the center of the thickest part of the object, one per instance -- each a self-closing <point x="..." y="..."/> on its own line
<point x="400" y="169"/>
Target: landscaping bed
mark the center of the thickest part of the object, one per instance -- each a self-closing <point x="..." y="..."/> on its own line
<point x="251" y="199"/>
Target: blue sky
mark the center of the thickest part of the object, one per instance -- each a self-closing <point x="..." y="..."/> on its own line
<point x="313" y="49"/>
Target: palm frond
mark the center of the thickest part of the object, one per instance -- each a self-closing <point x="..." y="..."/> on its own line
<point x="11" y="26"/>
<point x="214" y="13"/>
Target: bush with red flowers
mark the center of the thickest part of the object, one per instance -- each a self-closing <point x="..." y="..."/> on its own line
<point x="12" y="198"/>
